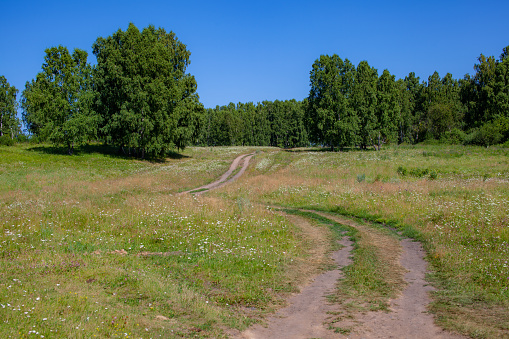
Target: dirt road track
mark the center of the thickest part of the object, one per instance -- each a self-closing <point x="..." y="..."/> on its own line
<point x="223" y="180"/>
<point x="307" y="311"/>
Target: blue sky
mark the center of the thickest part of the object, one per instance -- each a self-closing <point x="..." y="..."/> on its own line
<point x="245" y="51"/>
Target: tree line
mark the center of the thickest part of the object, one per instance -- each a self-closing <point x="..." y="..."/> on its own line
<point x="269" y="123"/>
<point x="140" y="99"/>
<point x="354" y="106"/>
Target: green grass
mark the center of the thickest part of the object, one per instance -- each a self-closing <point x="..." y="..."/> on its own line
<point x="96" y="244"/>
<point x="459" y="214"/>
<point x="100" y="244"/>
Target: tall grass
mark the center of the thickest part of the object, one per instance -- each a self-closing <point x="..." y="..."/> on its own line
<point x="98" y="245"/>
<point x="101" y="245"/>
<point x="460" y="213"/>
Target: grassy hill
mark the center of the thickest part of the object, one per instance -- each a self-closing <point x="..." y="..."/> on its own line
<point x="101" y="245"/>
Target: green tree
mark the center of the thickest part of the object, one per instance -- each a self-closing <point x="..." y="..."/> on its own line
<point x="57" y="105"/>
<point x="410" y="99"/>
<point x="364" y="103"/>
<point x="9" y="122"/>
<point x="388" y="110"/>
<point x="147" y="100"/>
<point x="443" y="110"/>
<point x="479" y="92"/>
<point x="499" y="105"/>
<point x="329" y="116"/>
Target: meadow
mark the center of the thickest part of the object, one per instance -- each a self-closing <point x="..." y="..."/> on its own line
<point x="453" y="199"/>
<point x="97" y="245"/>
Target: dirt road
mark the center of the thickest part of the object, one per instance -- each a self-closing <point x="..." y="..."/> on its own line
<point x="225" y="178"/>
<point x="307" y="312"/>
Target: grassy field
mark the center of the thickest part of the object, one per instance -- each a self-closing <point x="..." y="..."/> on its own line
<point x="97" y="245"/>
<point x="455" y="200"/>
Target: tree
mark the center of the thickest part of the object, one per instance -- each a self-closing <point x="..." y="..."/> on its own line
<point x="478" y="92"/>
<point x="9" y="122"/>
<point x="330" y="119"/>
<point x="148" y="103"/>
<point x="57" y="105"/>
<point x="499" y="105"/>
<point x="364" y="103"/>
<point x="410" y="99"/>
<point x="442" y="107"/>
<point x="388" y="110"/>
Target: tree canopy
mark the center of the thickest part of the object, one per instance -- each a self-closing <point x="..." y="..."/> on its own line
<point x="140" y="98"/>
<point x="57" y="105"/>
<point x="9" y="122"/>
<point x="148" y="103"/>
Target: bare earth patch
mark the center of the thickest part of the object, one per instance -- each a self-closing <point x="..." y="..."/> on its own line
<point x="223" y="180"/>
<point x="408" y="317"/>
<point x="307" y="311"/>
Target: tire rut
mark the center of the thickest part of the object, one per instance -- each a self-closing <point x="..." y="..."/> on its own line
<point x="308" y="311"/>
<point x="223" y="180"/>
<point x="408" y="316"/>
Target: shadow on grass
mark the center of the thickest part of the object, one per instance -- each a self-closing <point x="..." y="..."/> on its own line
<point x="106" y="150"/>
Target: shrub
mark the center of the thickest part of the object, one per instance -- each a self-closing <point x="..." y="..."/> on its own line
<point x="361" y="177"/>
<point x="22" y="138"/>
<point x="433" y="175"/>
<point x="418" y="172"/>
<point x="453" y="137"/>
<point x="492" y="133"/>
<point x="6" y="141"/>
<point x="402" y="171"/>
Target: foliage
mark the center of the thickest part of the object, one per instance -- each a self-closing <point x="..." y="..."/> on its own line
<point x="486" y="94"/>
<point x="364" y="103"/>
<point x="9" y="122"/>
<point x="277" y="123"/>
<point x="146" y="99"/>
<point x="388" y="109"/>
<point x="492" y="133"/>
<point x="57" y="105"/>
<point x="330" y="118"/>
<point x="6" y="140"/>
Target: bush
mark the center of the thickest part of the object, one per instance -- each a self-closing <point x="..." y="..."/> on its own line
<point x="22" y="138"/>
<point x="492" y="133"/>
<point x="401" y="171"/>
<point x="453" y="137"/>
<point x="34" y="140"/>
<point x="417" y="172"/>
<point x="6" y="141"/>
<point x="433" y="175"/>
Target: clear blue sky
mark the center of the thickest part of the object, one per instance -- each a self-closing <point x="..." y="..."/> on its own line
<point x="263" y="50"/>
